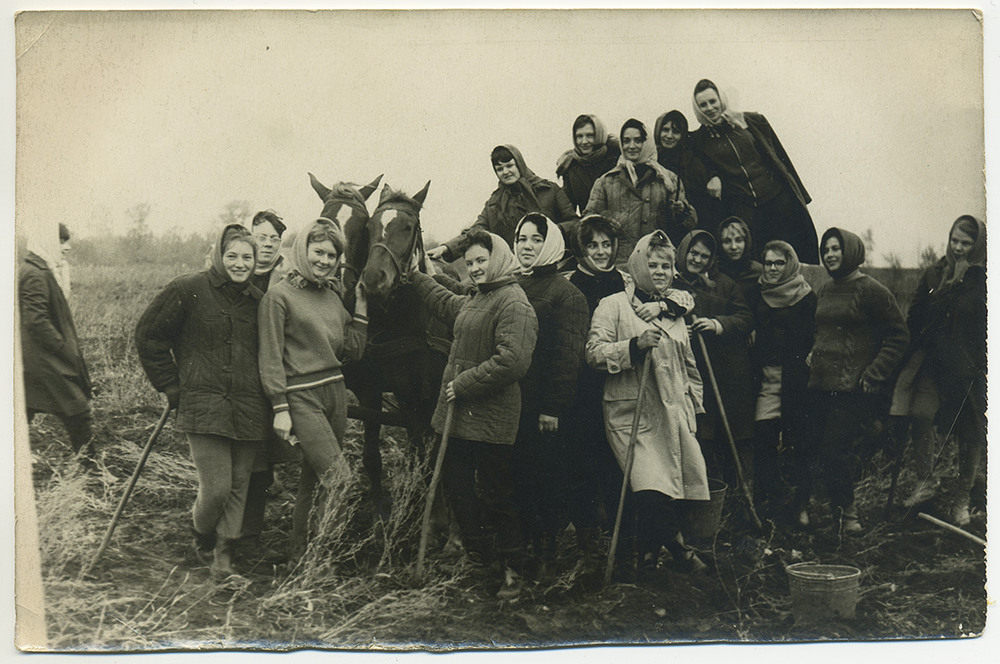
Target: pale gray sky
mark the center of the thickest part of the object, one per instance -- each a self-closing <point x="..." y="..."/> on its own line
<point x="881" y="111"/>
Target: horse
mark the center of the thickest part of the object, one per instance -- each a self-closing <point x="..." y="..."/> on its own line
<point x="407" y="349"/>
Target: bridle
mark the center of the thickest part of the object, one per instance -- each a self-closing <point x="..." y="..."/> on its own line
<point x="402" y="275"/>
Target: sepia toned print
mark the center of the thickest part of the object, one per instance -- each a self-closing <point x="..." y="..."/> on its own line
<point x="499" y="329"/>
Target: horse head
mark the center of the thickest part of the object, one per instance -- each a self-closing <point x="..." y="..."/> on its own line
<point x="344" y="205"/>
<point x="394" y="235"/>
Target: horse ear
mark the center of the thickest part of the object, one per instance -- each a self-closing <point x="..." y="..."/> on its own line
<point x="386" y="193"/>
<point x="318" y="187"/>
<point x="422" y="194"/>
<point x="370" y="188"/>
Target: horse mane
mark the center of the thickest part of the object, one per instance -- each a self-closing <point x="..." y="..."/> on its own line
<point x="396" y="196"/>
<point x="348" y="192"/>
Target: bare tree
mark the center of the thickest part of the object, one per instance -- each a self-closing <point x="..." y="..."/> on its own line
<point x="235" y="212"/>
<point x="139" y="236"/>
<point x="928" y="256"/>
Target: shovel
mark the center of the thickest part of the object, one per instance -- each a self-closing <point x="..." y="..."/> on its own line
<point x="128" y="493"/>
<point x="425" y="528"/>
<point x="629" y="459"/>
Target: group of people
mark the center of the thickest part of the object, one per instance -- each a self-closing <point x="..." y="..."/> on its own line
<point x="649" y="320"/>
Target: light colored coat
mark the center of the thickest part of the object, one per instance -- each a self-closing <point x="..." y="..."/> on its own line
<point x="668" y="458"/>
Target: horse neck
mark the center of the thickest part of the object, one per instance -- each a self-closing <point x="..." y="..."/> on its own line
<point x="404" y="314"/>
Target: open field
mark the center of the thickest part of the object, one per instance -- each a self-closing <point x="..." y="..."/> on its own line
<point x="355" y="587"/>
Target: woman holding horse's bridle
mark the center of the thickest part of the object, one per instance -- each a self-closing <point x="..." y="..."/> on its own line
<point x="494" y="336"/>
<point x="306" y="334"/>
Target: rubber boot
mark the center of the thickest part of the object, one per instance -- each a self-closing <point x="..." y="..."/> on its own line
<point x="204" y="543"/>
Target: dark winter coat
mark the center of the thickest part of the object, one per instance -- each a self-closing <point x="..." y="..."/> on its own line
<point x="550" y="385"/>
<point x="578" y="178"/>
<point x="494" y="336"/>
<point x="55" y="375"/>
<point x="784" y="337"/>
<point x="860" y="330"/>
<point x="775" y="158"/>
<point x="950" y="325"/>
<point x="640" y="209"/>
<point x="200" y="334"/>
<point x="728" y="351"/>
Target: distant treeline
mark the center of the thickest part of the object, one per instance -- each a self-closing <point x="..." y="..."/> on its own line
<point x="170" y="249"/>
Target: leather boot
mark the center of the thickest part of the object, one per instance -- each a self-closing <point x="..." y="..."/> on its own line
<point x="204" y="543"/>
<point x="222" y="565"/>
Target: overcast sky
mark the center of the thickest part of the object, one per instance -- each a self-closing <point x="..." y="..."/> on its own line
<point x="881" y="111"/>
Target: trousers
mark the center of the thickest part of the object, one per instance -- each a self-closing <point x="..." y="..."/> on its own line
<point x="223" y="467"/>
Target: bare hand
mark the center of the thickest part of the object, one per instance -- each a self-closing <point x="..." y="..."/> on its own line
<point x="678" y="207"/>
<point x="867" y="386"/>
<point x="360" y="299"/>
<point x="714" y="187"/>
<point x="438" y="252"/>
<point x="649" y="338"/>
<point x="283" y="425"/>
<point x="449" y="390"/>
<point x="548" y="423"/>
<point x="648" y="311"/>
<point x="704" y="325"/>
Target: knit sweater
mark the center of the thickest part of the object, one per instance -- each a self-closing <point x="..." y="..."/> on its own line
<point x="860" y="333"/>
<point x="549" y="387"/>
<point x="306" y="334"/>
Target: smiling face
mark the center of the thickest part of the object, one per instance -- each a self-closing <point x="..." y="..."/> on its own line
<point x="698" y="257"/>
<point x="708" y="102"/>
<point x="961" y="243"/>
<point x="528" y="244"/>
<point x="584" y="138"/>
<point x="832" y="254"/>
<point x="670" y="135"/>
<point x="477" y="262"/>
<point x="734" y="243"/>
<point x="268" y="242"/>
<point x="599" y="250"/>
<point x="322" y="258"/>
<point x="661" y="266"/>
<point x="632" y="142"/>
<point x="238" y="261"/>
<point x="507" y="172"/>
<point x="774" y="265"/>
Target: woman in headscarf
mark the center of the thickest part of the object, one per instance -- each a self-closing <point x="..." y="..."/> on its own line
<point x="594" y="153"/>
<point x="306" y="335"/>
<point x="944" y="379"/>
<point x="668" y="464"/>
<point x="548" y="389"/>
<point x="639" y="194"/>
<point x="784" y="308"/>
<point x="860" y="339"/>
<point x="723" y="319"/>
<point x="56" y="379"/>
<point x="674" y="153"/>
<point x="736" y="258"/>
<point x="197" y="342"/>
<point x="519" y="192"/>
<point x="494" y="336"/>
<point x="751" y="173"/>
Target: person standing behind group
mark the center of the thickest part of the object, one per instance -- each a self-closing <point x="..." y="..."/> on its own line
<point x="56" y="379"/>
<point x="494" y="336"/>
<point x="548" y="389"/>
<point x="723" y="319"/>
<point x="268" y="229"/>
<point x="594" y="153"/>
<point x="197" y="342"/>
<point x="736" y="258"/>
<point x="306" y="335"/>
<point x="674" y="153"/>
<point x="784" y="309"/>
<point x="945" y="376"/>
<point x="520" y="191"/>
<point x="639" y="194"/>
<point x="751" y="173"/>
<point x="860" y="339"/>
<point x="668" y="463"/>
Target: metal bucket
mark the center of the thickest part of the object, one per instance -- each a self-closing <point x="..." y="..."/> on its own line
<point x="700" y="519"/>
<point x="820" y="592"/>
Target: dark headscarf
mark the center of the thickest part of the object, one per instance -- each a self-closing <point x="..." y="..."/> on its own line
<point x="954" y="267"/>
<point x="852" y="247"/>
<point x="524" y="184"/>
<point x="684" y="247"/>
<point x="671" y="158"/>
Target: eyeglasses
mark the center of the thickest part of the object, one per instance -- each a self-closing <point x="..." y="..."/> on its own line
<point x="265" y="238"/>
<point x="775" y="263"/>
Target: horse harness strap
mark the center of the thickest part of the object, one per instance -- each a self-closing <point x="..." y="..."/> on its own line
<point x="404" y="274"/>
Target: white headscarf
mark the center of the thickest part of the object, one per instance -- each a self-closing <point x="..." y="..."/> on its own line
<point x="552" y="249"/>
<point x="733" y="117"/>
<point x="43" y="241"/>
